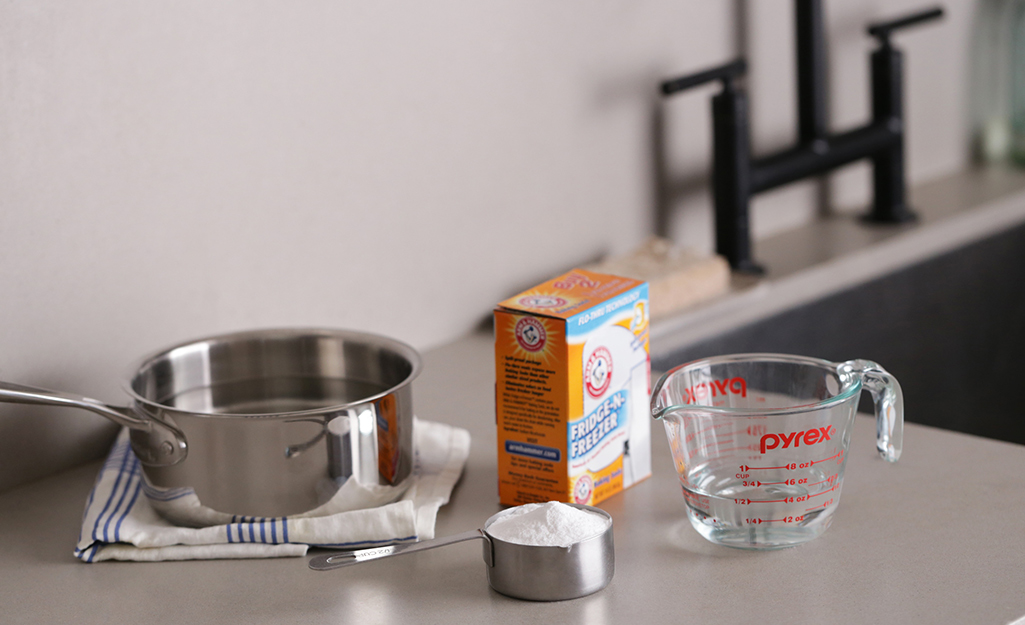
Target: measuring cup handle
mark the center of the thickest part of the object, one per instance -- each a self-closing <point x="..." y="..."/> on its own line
<point x="348" y="558"/>
<point x="889" y="404"/>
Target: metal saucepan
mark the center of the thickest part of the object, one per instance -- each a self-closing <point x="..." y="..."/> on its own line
<point x="265" y="423"/>
<point x="533" y="572"/>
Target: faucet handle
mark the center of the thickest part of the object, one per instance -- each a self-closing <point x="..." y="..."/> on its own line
<point x="883" y="30"/>
<point x="726" y="73"/>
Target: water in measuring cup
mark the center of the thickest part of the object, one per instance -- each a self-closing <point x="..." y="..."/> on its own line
<point x="759" y="509"/>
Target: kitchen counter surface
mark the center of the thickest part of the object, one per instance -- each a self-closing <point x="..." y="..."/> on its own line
<point x="937" y="538"/>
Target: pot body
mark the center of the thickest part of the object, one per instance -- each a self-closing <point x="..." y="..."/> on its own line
<point x="276" y="421"/>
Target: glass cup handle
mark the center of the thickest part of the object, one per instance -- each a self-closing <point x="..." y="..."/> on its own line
<point x="889" y="404"/>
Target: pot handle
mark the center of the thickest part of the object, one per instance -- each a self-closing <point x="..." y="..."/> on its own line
<point x="155" y="443"/>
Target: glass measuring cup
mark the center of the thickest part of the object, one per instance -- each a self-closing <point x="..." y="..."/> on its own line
<point x="760" y="441"/>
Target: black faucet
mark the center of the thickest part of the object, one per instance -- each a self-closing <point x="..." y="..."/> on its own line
<point x="736" y="176"/>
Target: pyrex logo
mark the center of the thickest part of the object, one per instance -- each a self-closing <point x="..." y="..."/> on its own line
<point x="697" y="392"/>
<point x="810" y="437"/>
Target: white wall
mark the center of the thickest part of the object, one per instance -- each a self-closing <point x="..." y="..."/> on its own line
<point x="176" y="169"/>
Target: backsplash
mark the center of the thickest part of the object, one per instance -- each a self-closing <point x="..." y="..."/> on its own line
<point x="179" y="170"/>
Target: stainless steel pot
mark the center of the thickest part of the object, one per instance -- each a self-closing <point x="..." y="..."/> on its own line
<point x="265" y="423"/>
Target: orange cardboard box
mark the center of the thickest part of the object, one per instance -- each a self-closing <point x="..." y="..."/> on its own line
<point x="573" y="378"/>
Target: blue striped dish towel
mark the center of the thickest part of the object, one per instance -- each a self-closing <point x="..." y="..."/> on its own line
<point x="121" y="523"/>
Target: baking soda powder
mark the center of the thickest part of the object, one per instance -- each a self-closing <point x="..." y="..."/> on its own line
<point x="551" y="524"/>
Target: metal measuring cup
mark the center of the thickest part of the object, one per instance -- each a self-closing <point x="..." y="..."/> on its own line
<point x="536" y="573"/>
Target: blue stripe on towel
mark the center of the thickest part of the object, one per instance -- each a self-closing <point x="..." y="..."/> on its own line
<point x="85" y="513"/>
<point x="386" y="541"/>
<point x="166" y="494"/>
<point x="123" y="497"/>
<point x="177" y="493"/>
<point x="133" y="473"/>
<point x="110" y="498"/>
<point x="128" y="508"/>
<point x="115" y="456"/>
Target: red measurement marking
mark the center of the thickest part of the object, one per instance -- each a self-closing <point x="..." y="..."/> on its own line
<point x="731" y="449"/>
<point x="824" y="505"/>
<point x="744" y="502"/>
<point x="839" y="453"/>
<point x="831" y="478"/>
<point x="828" y="490"/>
<point x="744" y="467"/>
<point x="715" y="426"/>
<point x="715" y="443"/>
<point x="756" y="430"/>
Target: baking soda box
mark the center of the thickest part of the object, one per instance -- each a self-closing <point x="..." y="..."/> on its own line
<point x="573" y="378"/>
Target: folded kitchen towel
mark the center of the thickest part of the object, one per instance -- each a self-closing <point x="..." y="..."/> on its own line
<point x="120" y="522"/>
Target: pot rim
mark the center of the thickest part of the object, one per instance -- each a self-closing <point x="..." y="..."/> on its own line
<point x="403" y="349"/>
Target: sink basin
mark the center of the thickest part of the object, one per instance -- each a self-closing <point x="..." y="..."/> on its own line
<point x="950" y="328"/>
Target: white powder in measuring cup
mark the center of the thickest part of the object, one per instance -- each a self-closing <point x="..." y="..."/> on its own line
<point x="551" y="524"/>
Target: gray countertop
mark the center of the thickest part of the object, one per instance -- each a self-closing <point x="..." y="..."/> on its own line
<point x="937" y="538"/>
